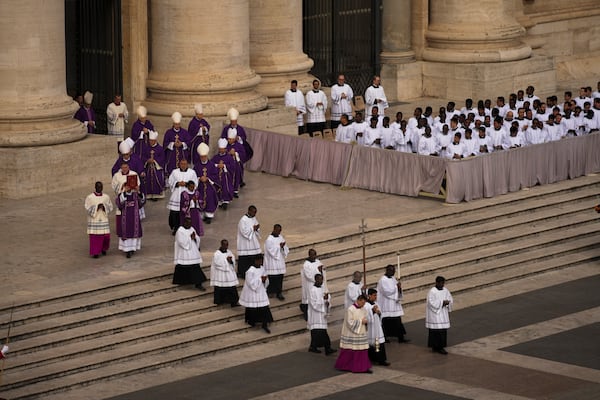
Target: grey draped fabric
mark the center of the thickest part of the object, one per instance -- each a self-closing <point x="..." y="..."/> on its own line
<point x="408" y="174"/>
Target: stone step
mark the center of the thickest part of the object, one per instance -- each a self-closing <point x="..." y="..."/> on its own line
<point x="132" y="303"/>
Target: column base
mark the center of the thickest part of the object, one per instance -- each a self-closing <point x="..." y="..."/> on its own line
<point x="277" y="71"/>
<point x="401" y="75"/>
<point x="35" y="171"/>
<point x="459" y="81"/>
<point x="477" y="55"/>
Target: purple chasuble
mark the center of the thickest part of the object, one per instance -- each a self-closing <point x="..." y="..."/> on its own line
<point x="139" y="139"/>
<point x="86" y="114"/>
<point x="207" y="190"/>
<point x="129" y="224"/>
<point x="178" y="153"/>
<point x="154" y="181"/>
<point x="191" y="205"/>
<point x="224" y="179"/>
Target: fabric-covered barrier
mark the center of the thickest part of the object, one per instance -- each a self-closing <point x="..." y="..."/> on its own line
<point x="408" y="174"/>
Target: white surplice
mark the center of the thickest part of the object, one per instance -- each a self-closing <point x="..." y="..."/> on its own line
<point x="318" y="308"/>
<point x="186" y="249"/>
<point x="389" y="297"/>
<point x="254" y="292"/>
<point x="436" y="315"/>
<point x="275" y="255"/>
<point x="222" y="272"/>
<point x="248" y="240"/>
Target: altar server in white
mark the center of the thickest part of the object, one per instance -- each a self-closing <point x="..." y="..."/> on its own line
<point x="223" y="277"/>
<point x="318" y="310"/>
<point x="390" y="297"/>
<point x="254" y="295"/>
<point x="276" y="251"/>
<point x="437" y="315"/>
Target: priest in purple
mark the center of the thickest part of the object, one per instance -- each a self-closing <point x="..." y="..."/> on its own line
<point x="233" y="115"/>
<point x="140" y="130"/>
<point x="129" y="223"/>
<point x="153" y="158"/>
<point x="224" y="179"/>
<point x="86" y="113"/>
<point x="126" y="156"/>
<point x="237" y="151"/>
<point x="199" y="130"/>
<point x="207" y="172"/>
<point x="190" y="206"/>
<point x="176" y="144"/>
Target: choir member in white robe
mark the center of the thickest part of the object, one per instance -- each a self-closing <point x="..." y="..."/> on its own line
<point x="316" y="105"/>
<point x="437" y="318"/>
<point x="514" y="138"/>
<point x="319" y="306"/>
<point x="456" y="149"/>
<point x="375" y="96"/>
<point x="345" y="131"/>
<point x="354" y="289"/>
<point x="98" y="206"/>
<point x="398" y="137"/>
<point x="187" y="257"/>
<point x="375" y="334"/>
<point x="471" y="144"/>
<point x="428" y="145"/>
<point x="177" y="183"/>
<point x="223" y="277"/>
<point x="373" y="134"/>
<point x="312" y="266"/>
<point x="116" y="117"/>
<point x="248" y="240"/>
<point x="295" y="98"/>
<point x="276" y="251"/>
<point x="359" y="127"/>
<point x="389" y="290"/>
<point x="254" y="295"/>
<point x="499" y="135"/>
<point x="387" y="135"/>
<point x="341" y="101"/>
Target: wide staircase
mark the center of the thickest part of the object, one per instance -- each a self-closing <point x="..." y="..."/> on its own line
<point x="92" y="336"/>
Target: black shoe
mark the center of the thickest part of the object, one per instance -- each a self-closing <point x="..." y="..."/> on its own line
<point x="235" y="195"/>
<point x="280" y="296"/>
<point x="314" y="350"/>
<point x="387" y="340"/>
<point x="442" y="351"/>
<point x="368" y="371"/>
<point x="208" y="221"/>
<point x="103" y="252"/>
<point x="129" y="254"/>
<point x="200" y="287"/>
<point x="95" y="256"/>
<point x="242" y="184"/>
<point x="233" y="305"/>
<point x="153" y="199"/>
<point x="173" y="232"/>
<point x="252" y="324"/>
<point x="224" y="206"/>
<point x="384" y="364"/>
<point x="403" y="340"/>
<point x="266" y="329"/>
<point x="330" y="351"/>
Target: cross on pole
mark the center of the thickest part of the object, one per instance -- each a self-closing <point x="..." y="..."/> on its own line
<point x="363" y="238"/>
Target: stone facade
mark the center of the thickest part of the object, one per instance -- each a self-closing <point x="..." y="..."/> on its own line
<point x="243" y="53"/>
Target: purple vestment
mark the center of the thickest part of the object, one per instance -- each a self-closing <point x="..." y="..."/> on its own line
<point x="208" y="190"/>
<point x="178" y="153"/>
<point x="86" y="114"/>
<point x="154" y="181"/>
<point x="129" y="224"/>
<point x="222" y="178"/>
<point x="191" y="207"/>
<point x="139" y="139"/>
<point x="238" y="170"/>
<point x="197" y="137"/>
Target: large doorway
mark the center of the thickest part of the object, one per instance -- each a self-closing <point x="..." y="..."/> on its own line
<point x="343" y="37"/>
<point x="93" y="52"/>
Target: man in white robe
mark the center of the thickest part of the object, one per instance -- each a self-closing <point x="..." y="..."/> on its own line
<point x="248" y="240"/>
<point x="345" y="131"/>
<point x="316" y="105"/>
<point x="98" y="206"/>
<point x="390" y="297"/>
<point x="354" y="289"/>
<point x="319" y="306"/>
<point x="375" y="334"/>
<point x="312" y="266"/>
<point x="116" y="117"/>
<point x="359" y="127"/>
<point x="276" y="251"/>
<point x="428" y="145"/>
<point x="372" y="136"/>
<point x="341" y="101"/>
<point x="437" y="317"/>
<point x="223" y="277"/>
<point x="295" y="98"/>
<point x="177" y="183"/>
<point x="187" y="257"/>
<point x="375" y="96"/>
<point x="254" y="295"/>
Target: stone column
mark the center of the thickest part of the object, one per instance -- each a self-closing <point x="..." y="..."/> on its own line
<point x="35" y="109"/>
<point x="200" y="53"/>
<point x="276" y="45"/>
<point x="474" y="31"/>
<point x="401" y="77"/>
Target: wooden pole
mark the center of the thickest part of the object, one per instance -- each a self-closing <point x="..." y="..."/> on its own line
<point x="7" y="340"/>
<point x="362" y="228"/>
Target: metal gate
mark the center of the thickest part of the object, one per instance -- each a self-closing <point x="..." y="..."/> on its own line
<point x="343" y="37"/>
<point x="93" y="52"/>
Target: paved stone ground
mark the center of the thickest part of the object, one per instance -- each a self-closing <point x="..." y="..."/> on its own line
<point x="416" y="373"/>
